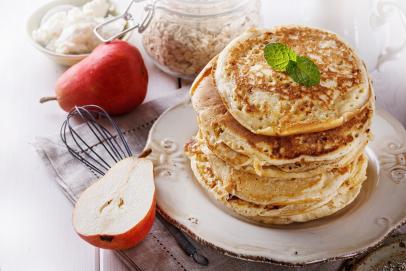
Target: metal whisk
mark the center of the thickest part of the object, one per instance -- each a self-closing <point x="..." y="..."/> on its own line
<point x="113" y="142"/>
<point x="115" y="145"/>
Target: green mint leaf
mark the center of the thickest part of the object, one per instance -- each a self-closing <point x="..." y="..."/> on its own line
<point x="304" y="71"/>
<point x="278" y="55"/>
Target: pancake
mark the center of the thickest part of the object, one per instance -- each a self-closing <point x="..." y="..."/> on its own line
<point x="274" y="214"/>
<point x="295" y="170"/>
<point x="271" y="150"/>
<point x="276" y="191"/>
<point x="271" y="103"/>
<point x="218" y="126"/>
<point x="342" y="199"/>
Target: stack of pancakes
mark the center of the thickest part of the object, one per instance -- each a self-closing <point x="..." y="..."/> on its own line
<point x="275" y="151"/>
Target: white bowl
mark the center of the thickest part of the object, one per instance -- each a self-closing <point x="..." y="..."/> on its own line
<point x="34" y="22"/>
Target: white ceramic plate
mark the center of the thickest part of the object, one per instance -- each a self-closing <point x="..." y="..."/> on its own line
<point x="378" y="210"/>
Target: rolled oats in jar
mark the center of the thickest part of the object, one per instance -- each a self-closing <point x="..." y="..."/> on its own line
<point x="184" y="34"/>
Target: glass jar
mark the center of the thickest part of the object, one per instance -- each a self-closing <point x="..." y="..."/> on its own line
<point x="184" y="35"/>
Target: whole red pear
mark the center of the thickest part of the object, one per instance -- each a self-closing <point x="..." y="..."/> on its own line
<point x="113" y="76"/>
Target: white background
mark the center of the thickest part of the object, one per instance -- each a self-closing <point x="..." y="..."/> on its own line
<point x="35" y="217"/>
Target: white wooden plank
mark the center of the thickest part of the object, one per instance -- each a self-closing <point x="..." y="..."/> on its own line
<point x="110" y="261"/>
<point x="35" y="229"/>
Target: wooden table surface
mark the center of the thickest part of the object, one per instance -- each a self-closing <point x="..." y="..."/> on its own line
<point x="35" y="227"/>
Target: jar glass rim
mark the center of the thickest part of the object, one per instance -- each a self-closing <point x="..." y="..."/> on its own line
<point x="201" y="8"/>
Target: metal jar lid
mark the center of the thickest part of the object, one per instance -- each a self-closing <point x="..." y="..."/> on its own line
<point x="127" y="16"/>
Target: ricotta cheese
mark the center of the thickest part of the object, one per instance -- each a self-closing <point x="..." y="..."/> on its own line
<point x="71" y="31"/>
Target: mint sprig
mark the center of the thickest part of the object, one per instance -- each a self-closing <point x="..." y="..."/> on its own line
<point x="304" y="71"/>
<point x="300" y="68"/>
<point x="278" y="55"/>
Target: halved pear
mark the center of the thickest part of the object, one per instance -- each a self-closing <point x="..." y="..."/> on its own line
<point x="118" y="211"/>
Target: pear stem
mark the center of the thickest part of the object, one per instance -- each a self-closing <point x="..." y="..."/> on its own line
<point x="47" y="99"/>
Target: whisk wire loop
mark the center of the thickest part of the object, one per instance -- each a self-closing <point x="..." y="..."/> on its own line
<point x="101" y="137"/>
<point x="79" y="145"/>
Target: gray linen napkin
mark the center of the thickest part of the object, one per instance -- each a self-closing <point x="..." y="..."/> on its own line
<point x="159" y="251"/>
